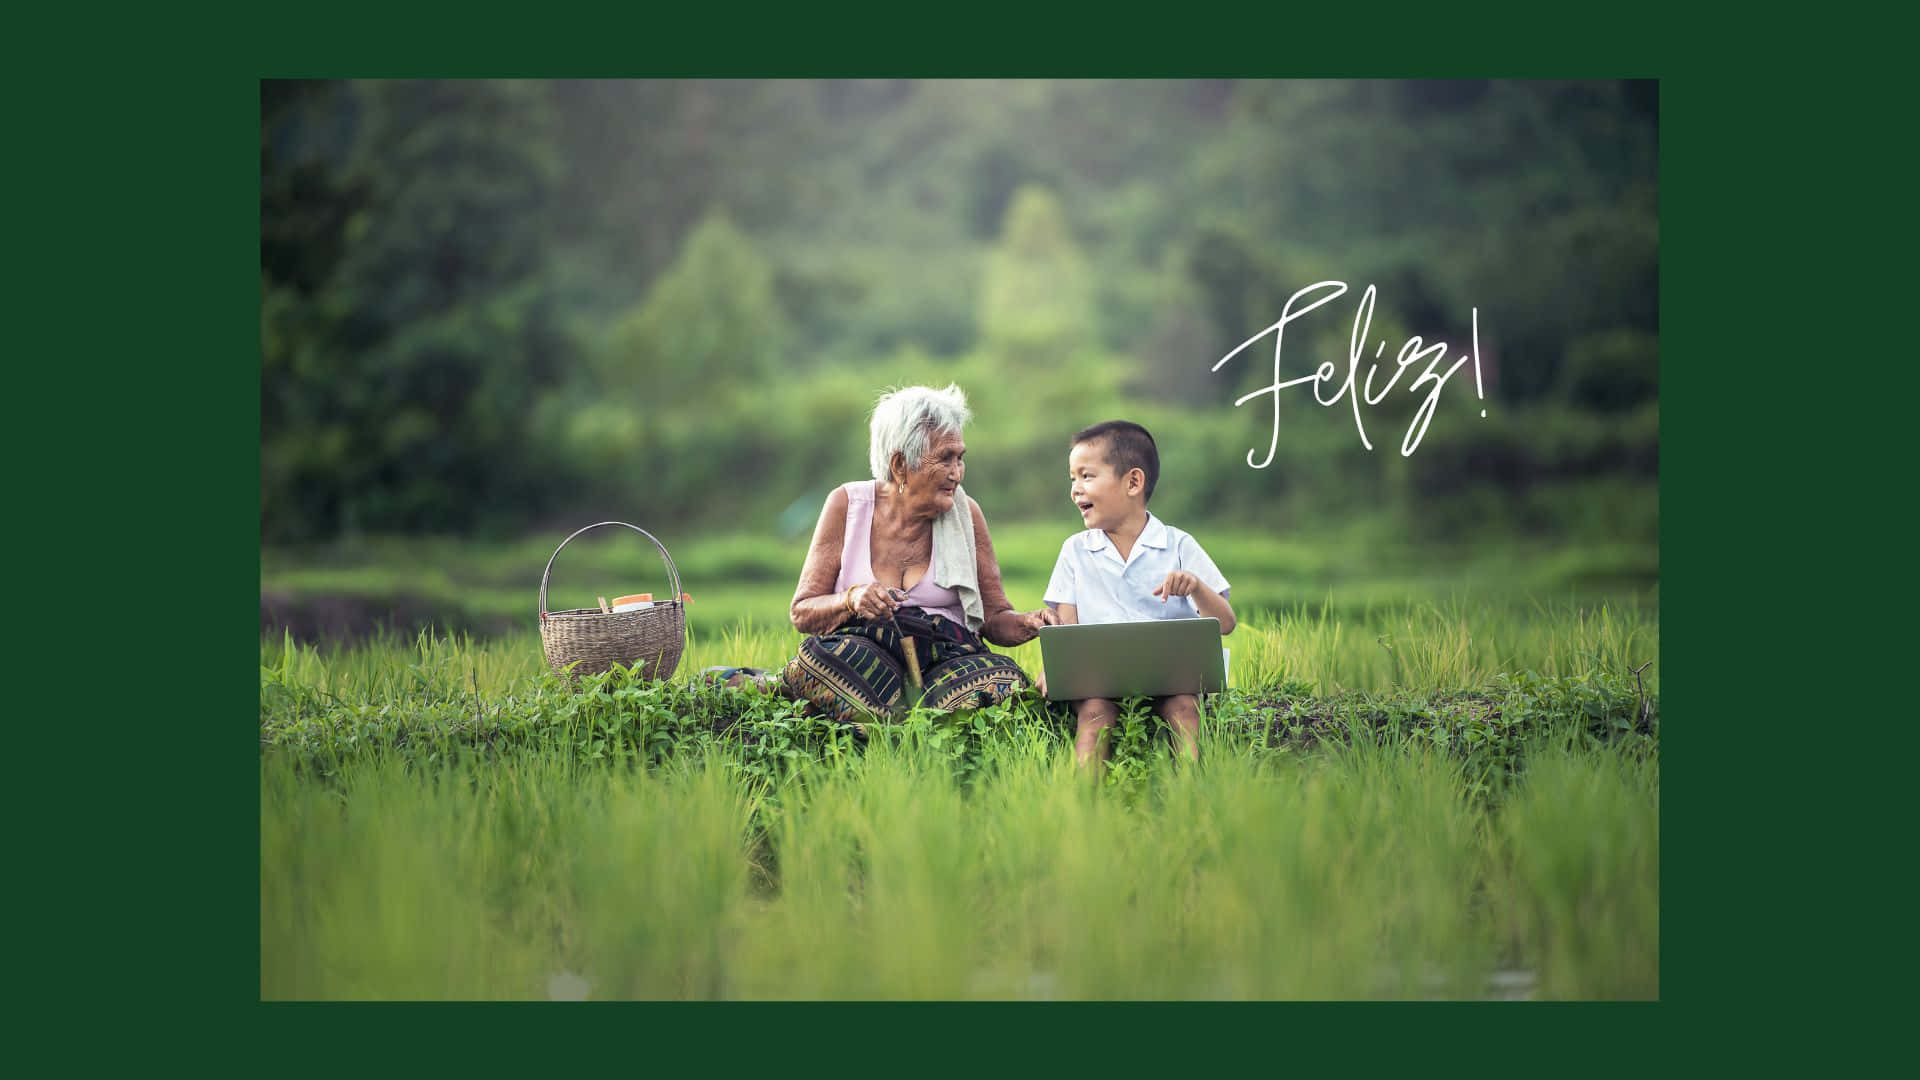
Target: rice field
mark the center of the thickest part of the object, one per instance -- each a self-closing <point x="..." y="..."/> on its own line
<point x="1438" y="800"/>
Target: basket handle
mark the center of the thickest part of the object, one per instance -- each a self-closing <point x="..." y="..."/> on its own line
<point x="671" y="571"/>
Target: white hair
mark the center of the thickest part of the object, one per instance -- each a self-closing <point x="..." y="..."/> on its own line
<point x="905" y="421"/>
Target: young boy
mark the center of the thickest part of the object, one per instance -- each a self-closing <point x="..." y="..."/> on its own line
<point x="1129" y="565"/>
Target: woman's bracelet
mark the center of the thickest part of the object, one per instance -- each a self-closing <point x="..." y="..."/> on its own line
<point x="848" y="597"/>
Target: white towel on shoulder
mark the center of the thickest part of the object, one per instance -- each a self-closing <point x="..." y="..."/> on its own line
<point x="955" y="569"/>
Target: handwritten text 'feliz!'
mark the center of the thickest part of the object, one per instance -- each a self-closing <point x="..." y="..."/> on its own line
<point x="1409" y="355"/>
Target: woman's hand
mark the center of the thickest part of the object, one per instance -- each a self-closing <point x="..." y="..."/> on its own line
<point x="1004" y="626"/>
<point x="1032" y="621"/>
<point x="873" y="600"/>
<point x="1017" y="627"/>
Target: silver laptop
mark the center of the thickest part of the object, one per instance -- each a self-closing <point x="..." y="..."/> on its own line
<point x="1114" y="660"/>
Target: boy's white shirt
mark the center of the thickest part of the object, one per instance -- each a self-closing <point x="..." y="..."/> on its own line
<point x="1090" y="575"/>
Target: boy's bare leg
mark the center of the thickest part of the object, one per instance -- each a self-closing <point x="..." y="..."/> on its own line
<point x="1182" y="713"/>
<point x="1095" y="716"/>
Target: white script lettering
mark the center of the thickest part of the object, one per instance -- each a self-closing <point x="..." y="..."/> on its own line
<point x="1411" y="353"/>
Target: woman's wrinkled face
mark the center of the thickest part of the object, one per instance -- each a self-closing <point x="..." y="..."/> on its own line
<point x="931" y="485"/>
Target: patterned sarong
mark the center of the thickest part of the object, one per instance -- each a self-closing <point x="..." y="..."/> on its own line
<point x="859" y="671"/>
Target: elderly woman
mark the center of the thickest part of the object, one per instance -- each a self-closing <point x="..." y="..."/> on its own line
<point x="901" y="585"/>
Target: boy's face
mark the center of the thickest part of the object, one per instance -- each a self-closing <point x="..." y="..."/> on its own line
<point x="1104" y="497"/>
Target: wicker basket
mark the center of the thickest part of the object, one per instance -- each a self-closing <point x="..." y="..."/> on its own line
<point x="593" y="641"/>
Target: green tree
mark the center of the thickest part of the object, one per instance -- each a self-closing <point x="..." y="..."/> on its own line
<point x="1036" y="298"/>
<point x="1612" y="372"/>
<point x="688" y="375"/>
<point x="406" y="323"/>
<point x="712" y="316"/>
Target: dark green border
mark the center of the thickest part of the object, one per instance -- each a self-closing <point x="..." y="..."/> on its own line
<point x="183" y="155"/>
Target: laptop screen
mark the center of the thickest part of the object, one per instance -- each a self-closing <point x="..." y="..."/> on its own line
<point x="1115" y="660"/>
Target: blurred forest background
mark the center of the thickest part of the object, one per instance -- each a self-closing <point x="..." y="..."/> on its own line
<point x="496" y="309"/>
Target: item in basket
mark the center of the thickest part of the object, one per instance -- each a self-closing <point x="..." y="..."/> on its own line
<point x="634" y="602"/>
<point x="581" y="643"/>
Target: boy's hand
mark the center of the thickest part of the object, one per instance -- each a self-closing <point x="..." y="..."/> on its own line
<point x="1178" y="583"/>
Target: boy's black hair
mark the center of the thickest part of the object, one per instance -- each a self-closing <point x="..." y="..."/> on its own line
<point x="1129" y="446"/>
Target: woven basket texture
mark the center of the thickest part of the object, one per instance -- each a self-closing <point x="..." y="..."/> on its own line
<point x="655" y="636"/>
<point x="588" y="641"/>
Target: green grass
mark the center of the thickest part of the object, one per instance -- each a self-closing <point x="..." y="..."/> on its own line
<point x="1359" y="873"/>
<point x="1448" y="645"/>
<point x="1470" y="813"/>
<point x="744" y="578"/>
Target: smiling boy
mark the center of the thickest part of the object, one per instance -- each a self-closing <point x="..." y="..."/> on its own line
<point x="1129" y="566"/>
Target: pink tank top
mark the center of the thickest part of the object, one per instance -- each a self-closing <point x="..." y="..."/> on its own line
<point x="856" y="558"/>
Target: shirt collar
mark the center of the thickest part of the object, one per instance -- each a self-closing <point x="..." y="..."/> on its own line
<point x="1153" y="536"/>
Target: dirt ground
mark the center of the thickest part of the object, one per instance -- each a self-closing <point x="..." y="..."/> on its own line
<point x="316" y="617"/>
